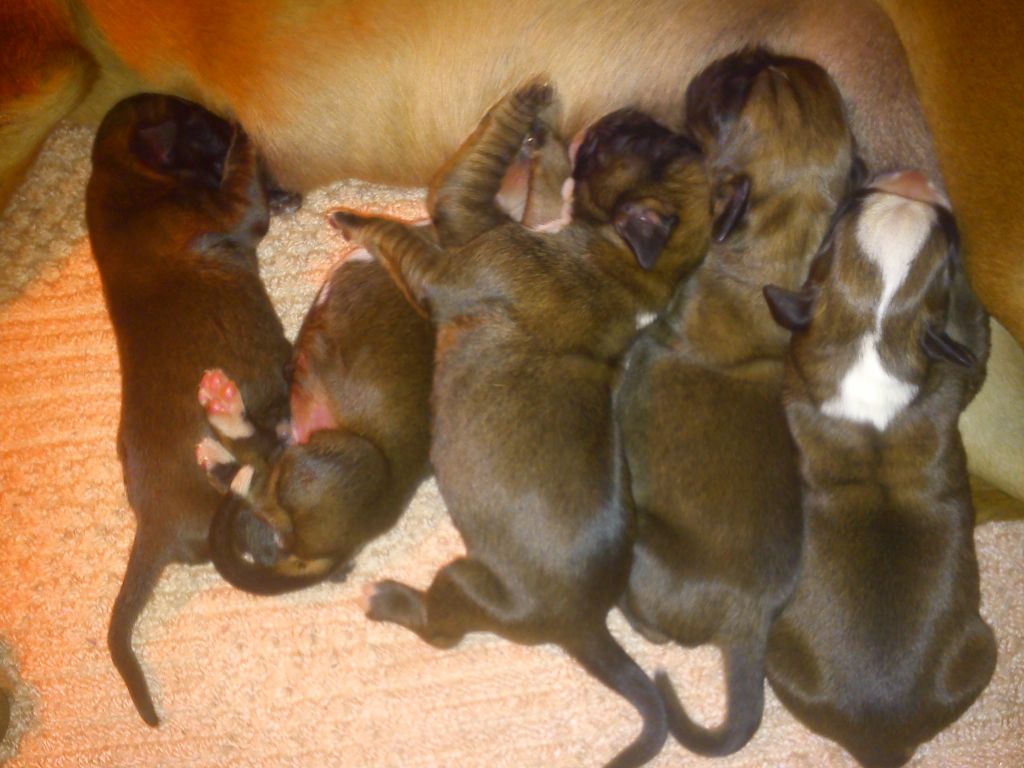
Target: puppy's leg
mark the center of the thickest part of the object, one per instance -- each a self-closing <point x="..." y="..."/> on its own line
<point x="464" y="597"/>
<point x="412" y="261"/>
<point x="335" y="489"/>
<point x="241" y="457"/>
<point x="148" y="558"/>
<point x="45" y="75"/>
<point x="462" y="202"/>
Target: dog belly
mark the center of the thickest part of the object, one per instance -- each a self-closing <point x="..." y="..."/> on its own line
<point x="321" y="117"/>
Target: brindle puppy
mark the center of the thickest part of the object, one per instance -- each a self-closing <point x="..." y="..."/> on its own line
<point x="360" y="438"/>
<point x="882" y="645"/>
<point x="530" y="327"/>
<point x="176" y="205"/>
<point x="360" y="433"/>
<point x="713" y="468"/>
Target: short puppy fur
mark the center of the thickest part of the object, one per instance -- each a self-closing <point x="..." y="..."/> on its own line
<point x="882" y="645"/>
<point x="359" y="440"/>
<point x="530" y="327"/>
<point x="713" y="468"/>
<point x="176" y="205"/>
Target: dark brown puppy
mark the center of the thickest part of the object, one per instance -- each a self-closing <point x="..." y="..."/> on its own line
<point x="360" y="438"/>
<point x="360" y="434"/>
<point x="530" y="327"/>
<point x="882" y="645"/>
<point x="176" y="205"/>
<point x="713" y="468"/>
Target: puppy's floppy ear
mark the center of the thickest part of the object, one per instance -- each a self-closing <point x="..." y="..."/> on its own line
<point x="939" y="346"/>
<point x="729" y="202"/>
<point x="790" y="309"/>
<point x="644" y="228"/>
<point x="154" y="145"/>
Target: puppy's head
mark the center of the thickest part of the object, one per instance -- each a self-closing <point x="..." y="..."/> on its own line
<point x="648" y="184"/>
<point x="871" y="317"/>
<point x="771" y="127"/>
<point x="164" y="140"/>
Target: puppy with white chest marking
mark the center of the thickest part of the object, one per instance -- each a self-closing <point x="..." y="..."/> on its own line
<point x="176" y="205"/>
<point x="882" y="645"/>
<point x="530" y="326"/>
<point x="713" y="468"/>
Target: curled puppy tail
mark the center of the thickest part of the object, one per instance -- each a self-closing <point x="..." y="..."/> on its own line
<point x="271" y="573"/>
<point x="745" y="689"/>
<point x="145" y="564"/>
<point x="601" y="655"/>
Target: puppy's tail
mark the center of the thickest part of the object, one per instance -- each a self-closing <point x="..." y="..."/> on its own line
<point x="601" y="655"/>
<point x="286" y="573"/>
<point x="745" y="689"/>
<point x="145" y="564"/>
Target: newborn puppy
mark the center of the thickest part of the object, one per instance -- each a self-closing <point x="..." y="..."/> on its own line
<point x="529" y="329"/>
<point x="360" y="438"/>
<point x="713" y="468"/>
<point x="176" y="205"/>
<point x="882" y="645"/>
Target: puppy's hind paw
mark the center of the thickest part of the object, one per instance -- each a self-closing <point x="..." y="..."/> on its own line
<point x="346" y="222"/>
<point x="225" y="410"/>
<point x="397" y="603"/>
<point x="210" y="454"/>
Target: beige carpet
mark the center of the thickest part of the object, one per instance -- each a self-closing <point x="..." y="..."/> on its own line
<point x="301" y="680"/>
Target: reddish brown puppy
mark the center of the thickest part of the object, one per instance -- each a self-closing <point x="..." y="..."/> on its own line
<point x="359" y="441"/>
<point x="176" y="205"/>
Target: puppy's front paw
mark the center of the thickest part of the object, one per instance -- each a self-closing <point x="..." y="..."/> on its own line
<point x="535" y="95"/>
<point x="397" y="603"/>
<point x="225" y="410"/>
<point x="281" y="201"/>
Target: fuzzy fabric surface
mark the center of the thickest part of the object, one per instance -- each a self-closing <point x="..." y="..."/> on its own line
<point x="304" y="679"/>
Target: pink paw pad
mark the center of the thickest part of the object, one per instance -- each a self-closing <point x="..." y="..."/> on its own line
<point x="225" y="410"/>
<point x="210" y="454"/>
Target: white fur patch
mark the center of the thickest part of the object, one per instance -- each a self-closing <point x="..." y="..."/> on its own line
<point x="565" y="216"/>
<point x="891" y="232"/>
<point x="210" y="453"/>
<point x="868" y="393"/>
<point x="643" y="319"/>
<point x="242" y="481"/>
<point x="232" y="426"/>
<point x="359" y="254"/>
<point x="324" y="293"/>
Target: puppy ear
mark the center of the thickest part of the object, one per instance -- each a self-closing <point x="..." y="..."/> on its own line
<point x="154" y="145"/>
<point x="729" y="204"/>
<point x="790" y="309"/>
<point x="645" y="229"/>
<point x="939" y="346"/>
<point x="858" y="173"/>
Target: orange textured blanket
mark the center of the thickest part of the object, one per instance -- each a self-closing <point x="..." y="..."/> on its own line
<point x="303" y="680"/>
